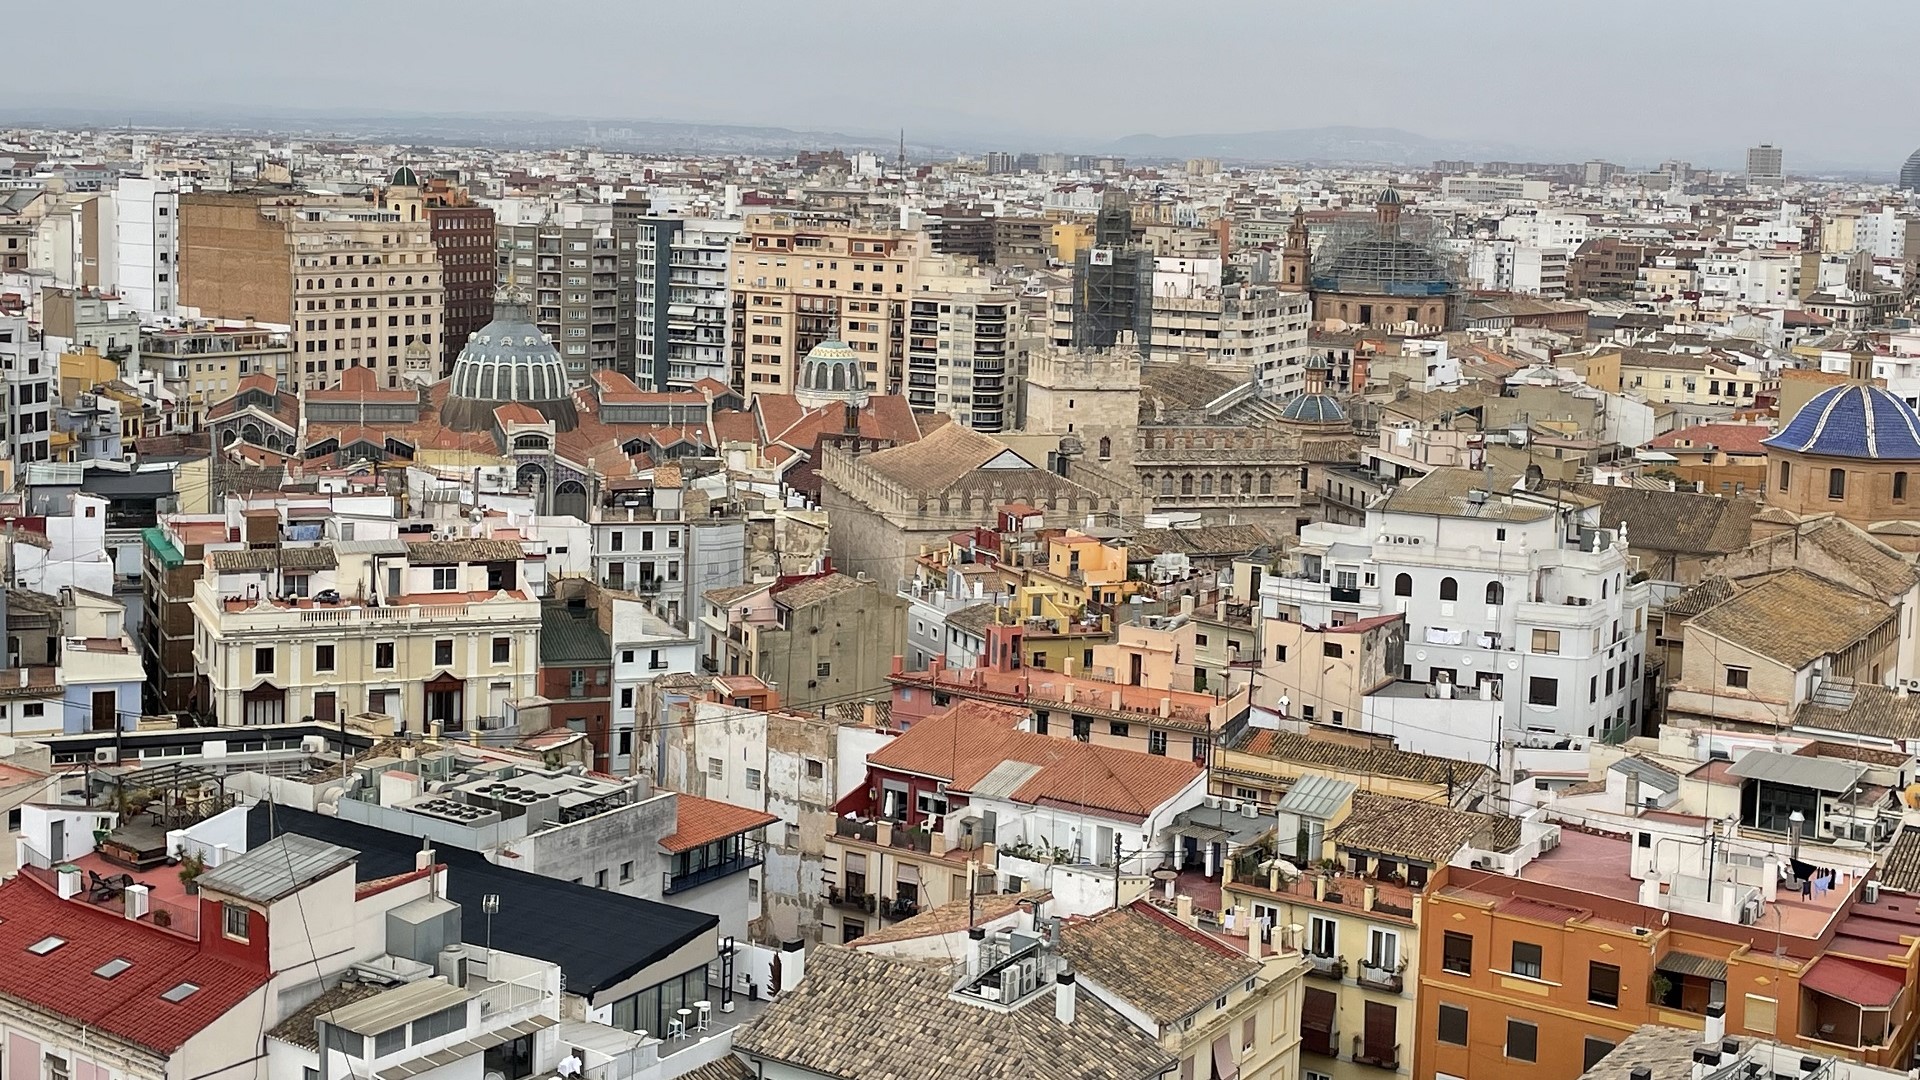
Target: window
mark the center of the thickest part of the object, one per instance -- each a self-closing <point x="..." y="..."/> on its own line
<point x="443" y="651"/>
<point x="1157" y="742"/>
<point x="1546" y="642"/>
<point x="1496" y="595"/>
<point x="1403" y="585"/>
<point x="599" y="879"/>
<point x="1453" y="1025"/>
<point x="1603" y="984"/>
<point x="383" y="655"/>
<point x="1116" y="729"/>
<point x="1786" y="474"/>
<point x="446" y="578"/>
<point x="1737" y="677"/>
<point x="1332" y="650"/>
<point x="1899" y="487"/>
<point x="1323" y="938"/>
<point x="323" y="658"/>
<point x="445" y="1022"/>
<point x="1383" y="950"/>
<point x="816" y="770"/>
<point x="1449" y="589"/>
<point x="753" y="779"/>
<point x="626" y="871"/>
<point x="502" y="650"/>
<point x="1526" y="959"/>
<point x="1836" y="484"/>
<point x="263" y="661"/>
<point x="1595" y="1050"/>
<point x="1761" y="1013"/>
<point x="1523" y="1040"/>
<point x="1456" y="953"/>
<point x="234" y="921"/>
<point x="823" y="669"/>
<point x="714" y="769"/>
<point x="391" y="1041"/>
<point x="1543" y="691"/>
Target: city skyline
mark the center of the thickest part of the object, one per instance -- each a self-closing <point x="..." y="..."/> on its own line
<point x="1052" y="79"/>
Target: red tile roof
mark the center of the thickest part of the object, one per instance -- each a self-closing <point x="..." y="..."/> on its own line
<point x="1861" y="983"/>
<point x="1731" y="438"/>
<point x="965" y="743"/>
<point x="702" y="821"/>
<point x="128" y="1005"/>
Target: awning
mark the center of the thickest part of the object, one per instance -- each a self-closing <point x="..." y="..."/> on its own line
<point x="1316" y="1011"/>
<point x="1223" y="1066"/>
<point x="856" y="862"/>
<point x="460" y="1051"/>
<point x="906" y="873"/>
<point x="1869" y="986"/>
<point x="1701" y="967"/>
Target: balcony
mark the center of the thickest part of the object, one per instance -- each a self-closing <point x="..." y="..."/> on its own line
<point x="911" y="839"/>
<point x="1332" y="968"/>
<point x="1380" y="1057"/>
<point x="1323" y="1043"/>
<point x="854" y="829"/>
<point x="855" y="897"/>
<point x="675" y="883"/>
<point x="1388" y="979"/>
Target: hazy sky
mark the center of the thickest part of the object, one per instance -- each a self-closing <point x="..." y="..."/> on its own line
<point x="1831" y="81"/>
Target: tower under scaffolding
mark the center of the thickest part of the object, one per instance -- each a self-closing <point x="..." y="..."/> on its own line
<point x="1112" y="280"/>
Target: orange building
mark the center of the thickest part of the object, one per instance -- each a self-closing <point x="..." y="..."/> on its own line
<point x="1549" y="970"/>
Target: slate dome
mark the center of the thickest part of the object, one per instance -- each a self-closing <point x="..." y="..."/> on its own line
<point x="508" y="360"/>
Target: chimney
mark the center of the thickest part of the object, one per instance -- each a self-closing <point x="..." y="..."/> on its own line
<point x="1633" y="794"/>
<point x="1716" y="1023"/>
<point x="1064" y="999"/>
<point x="975" y="936"/>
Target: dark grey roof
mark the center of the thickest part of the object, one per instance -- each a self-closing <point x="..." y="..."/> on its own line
<point x="598" y="937"/>
<point x="1820" y="774"/>
<point x="1314" y="409"/>
<point x="1650" y="774"/>
<point x="508" y="360"/>
<point x="276" y="868"/>
<point x="570" y="636"/>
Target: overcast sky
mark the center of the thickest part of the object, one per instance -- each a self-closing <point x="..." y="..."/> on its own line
<point x="1832" y="81"/>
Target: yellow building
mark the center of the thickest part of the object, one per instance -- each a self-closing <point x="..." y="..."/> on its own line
<point x="203" y="364"/>
<point x="798" y="282"/>
<point x="1357" y="909"/>
<point x="442" y="632"/>
<point x="1687" y="378"/>
<point x="1069" y="238"/>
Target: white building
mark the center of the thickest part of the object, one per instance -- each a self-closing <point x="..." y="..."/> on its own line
<point x="140" y="244"/>
<point x="1514" y="267"/>
<point x="1522" y="624"/>
<point x="30" y="376"/>
<point x="681" y="303"/>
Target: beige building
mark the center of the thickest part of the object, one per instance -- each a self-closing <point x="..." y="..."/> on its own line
<point x="357" y="284"/>
<point x="798" y="282"/>
<point x="439" y="632"/>
<point x="829" y="637"/>
<point x="203" y="364"/>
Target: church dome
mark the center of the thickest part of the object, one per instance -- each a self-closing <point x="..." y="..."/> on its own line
<point x="508" y="360"/>
<point x="1383" y="265"/>
<point x="1313" y="409"/>
<point x="1387" y="197"/>
<point x="831" y="371"/>
<point x="1856" y="420"/>
<point x="404" y="176"/>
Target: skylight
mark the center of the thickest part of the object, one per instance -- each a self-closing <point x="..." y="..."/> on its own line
<point x="46" y="945"/>
<point x="113" y="967"/>
<point x="180" y="993"/>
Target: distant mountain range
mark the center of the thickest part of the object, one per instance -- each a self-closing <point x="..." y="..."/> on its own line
<point x="1385" y="146"/>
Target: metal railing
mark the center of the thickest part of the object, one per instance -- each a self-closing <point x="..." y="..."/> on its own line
<point x="694" y="879"/>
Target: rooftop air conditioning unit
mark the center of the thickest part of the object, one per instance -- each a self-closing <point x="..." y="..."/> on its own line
<point x="104" y="755"/>
<point x="313" y="744"/>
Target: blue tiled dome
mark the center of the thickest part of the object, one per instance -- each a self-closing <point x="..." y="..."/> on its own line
<point x="1852" y="421"/>
<point x="1314" y="409"/>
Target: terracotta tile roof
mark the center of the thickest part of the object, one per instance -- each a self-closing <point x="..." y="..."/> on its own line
<point x="361" y="384"/>
<point x="938" y="461"/>
<point x="1875" y="711"/>
<point x="1732" y="438"/>
<point x="1679" y="521"/>
<point x="1794" y="618"/>
<point x="1711" y="592"/>
<point x="1375" y="761"/>
<point x="967" y="742"/>
<point x="299" y="1030"/>
<point x="516" y="412"/>
<point x="1880" y="569"/>
<point x="1412" y="829"/>
<point x="815" y="589"/>
<point x="1902" y="869"/>
<point x="466" y="550"/>
<point x="952" y="918"/>
<point x="700" y="821"/>
<point x="728" y="1067"/>
<point x="860" y="1016"/>
<point x="129" y="1005"/>
<point x="1159" y="966"/>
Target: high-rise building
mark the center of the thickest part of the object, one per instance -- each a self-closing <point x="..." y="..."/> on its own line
<point x="799" y="281"/>
<point x="356" y="283"/>
<point x="1910" y="172"/>
<point x="682" y="307"/>
<point x="463" y="236"/>
<point x="579" y="272"/>
<point x="29" y="374"/>
<point x="963" y="353"/>
<point x="1764" y="164"/>
<point x="135" y="242"/>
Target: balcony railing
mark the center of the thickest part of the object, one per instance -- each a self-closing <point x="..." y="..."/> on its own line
<point x="854" y="829"/>
<point x="1326" y="967"/>
<point x="1383" y="1057"/>
<point x="912" y="839"/>
<point x="693" y="880"/>
<point x="1380" y="978"/>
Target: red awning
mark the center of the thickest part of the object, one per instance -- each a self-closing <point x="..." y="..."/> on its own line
<point x="1867" y="985"/>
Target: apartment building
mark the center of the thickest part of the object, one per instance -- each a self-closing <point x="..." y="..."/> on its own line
<point x="964" y="354"/>
<point x="682" y="305"/>
<point x="434" y="633"/>
<point x="135" y="235"/>
<point x="1191" y="316"/>
<point x="357" y="285"/>
<point x="463" y="236"/>
<point x="1520" y="620"/>
<point x="799" y="281"/>
<point x="578" y="272"/>
<point x="817" y="638"/>
<point x="203" y="363"/>
<point x="29" y="374"/>
<point x="1702" y="379"/>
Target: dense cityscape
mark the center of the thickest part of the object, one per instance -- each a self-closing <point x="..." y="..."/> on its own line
<point x="655" y="604"/>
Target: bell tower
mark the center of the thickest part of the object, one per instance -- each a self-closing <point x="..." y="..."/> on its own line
<point x="1296" y="256"/>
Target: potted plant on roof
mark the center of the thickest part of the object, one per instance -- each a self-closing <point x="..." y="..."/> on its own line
<point x="191" y="867"/>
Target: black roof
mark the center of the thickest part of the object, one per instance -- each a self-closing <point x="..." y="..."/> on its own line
<point x="599" y="938"/>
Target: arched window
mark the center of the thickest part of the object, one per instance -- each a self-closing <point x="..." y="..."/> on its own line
<point x="1186" y="483"/>
<point x="1603" y="588"/>
<point x="1246" y="483"/>
<point x="1166" y="483"/>
<point x="1206" y="483"/>
<point x="1836" y="484"/>
<point x="1106" y="448"/>
<point x="1403" y="585"/>
<point x="1266" y="483"/>
<point x="1496" y="595"/>
<point x="1449" y="589"/>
